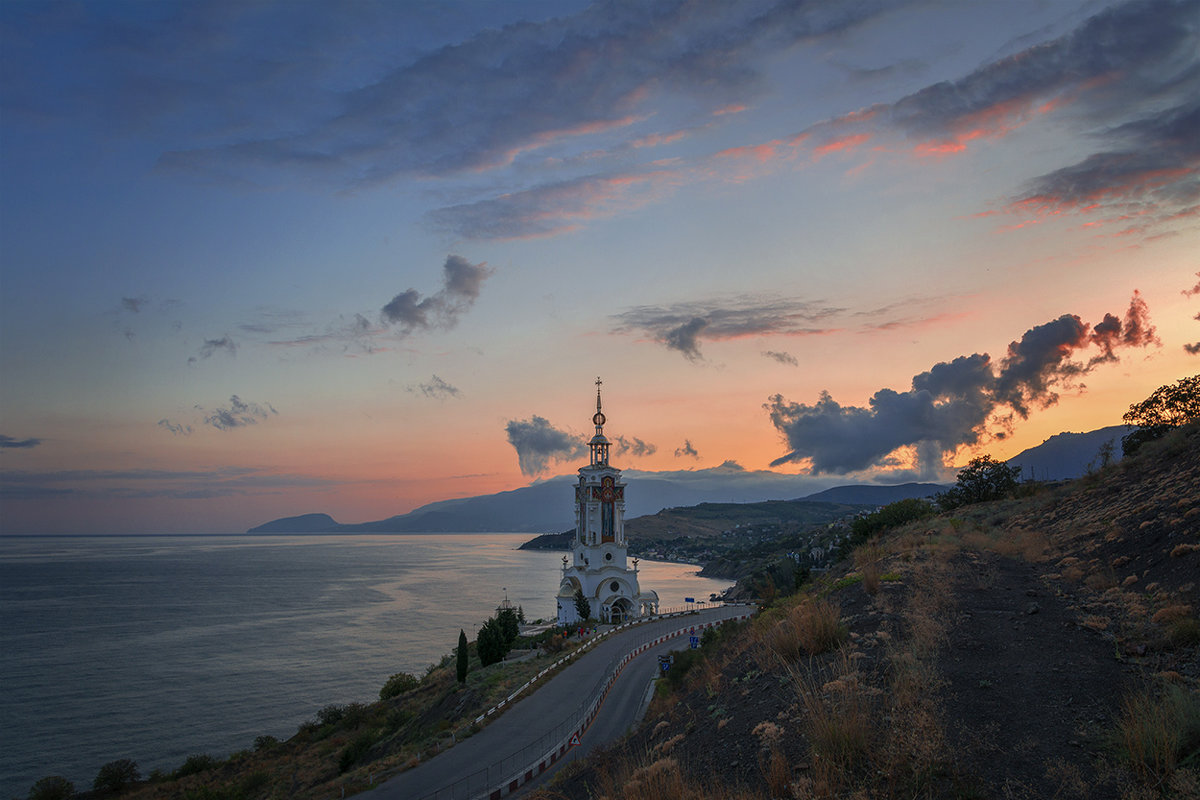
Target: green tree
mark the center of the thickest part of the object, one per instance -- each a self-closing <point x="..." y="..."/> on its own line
<point x="464" y="658"/>
<point x="982" y="479"/>
<point x="1168" y="407"/>
<point x="583" y="609"/>
<point x="116" y="775"/>
<point x="490" y="643"/>
<point x="52" y="787"/>
<point x="509" y="624"/>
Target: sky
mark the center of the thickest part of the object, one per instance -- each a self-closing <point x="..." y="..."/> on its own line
<point x="265" y="258"/>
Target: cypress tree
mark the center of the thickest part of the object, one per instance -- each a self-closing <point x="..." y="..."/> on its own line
<point x="463" y="663"/>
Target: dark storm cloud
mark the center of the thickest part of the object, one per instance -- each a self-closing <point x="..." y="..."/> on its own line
<point x="782" y="358"/>
<point x="435" y="388"/>
<point x="484" y="101"/>
<point x="686" y="450"/>
<point x="12" y="443"/>
<point x="633" y="446"/>
<point x="462" y="281"/>
<point x="951" y="404"/>
<point x="537" y="443"/>
<point x="683" y="326"/>
<point x="239" y="414"/>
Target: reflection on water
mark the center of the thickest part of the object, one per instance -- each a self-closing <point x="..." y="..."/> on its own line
<point x="154" y="648"/>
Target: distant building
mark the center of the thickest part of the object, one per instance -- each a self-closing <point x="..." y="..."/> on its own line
<point x="597" y="565"/>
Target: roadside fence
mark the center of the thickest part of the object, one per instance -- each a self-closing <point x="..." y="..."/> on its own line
<point x="506" y="775"/>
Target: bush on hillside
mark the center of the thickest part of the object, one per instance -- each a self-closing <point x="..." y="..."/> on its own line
<point x="116" y="776"/>
<point x="398" y="684"/>
<point x="52" y="787"/>
<point x="194" y="765"/>
<point x="893" y="515"/>
<point x="1168" y="407"/>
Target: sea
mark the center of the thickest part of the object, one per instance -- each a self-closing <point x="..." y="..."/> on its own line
<point x="155" y="648"/>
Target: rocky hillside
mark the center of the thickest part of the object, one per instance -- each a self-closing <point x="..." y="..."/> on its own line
<point x="1039" y="647"/>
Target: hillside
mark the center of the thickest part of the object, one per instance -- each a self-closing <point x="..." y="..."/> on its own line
<point x="1030" y="648"/>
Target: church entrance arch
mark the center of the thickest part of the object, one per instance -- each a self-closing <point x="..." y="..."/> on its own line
<point x="622" y="611"/>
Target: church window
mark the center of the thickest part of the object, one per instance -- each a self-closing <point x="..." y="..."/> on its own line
<point x="614" y="587"/>
<point x="608" y="556"/>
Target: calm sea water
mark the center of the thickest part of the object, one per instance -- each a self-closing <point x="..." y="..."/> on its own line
<point x="156" y="648"/>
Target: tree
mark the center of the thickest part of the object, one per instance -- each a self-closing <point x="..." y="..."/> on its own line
<point x="491" y="643"/>
<point x="583" y="609"/>
<point x="116" y="776"/>
<point x="52" y="787"/>
<point x="464" y="658"/>
<point x="982" y="479"/>
<point x="509" y="625"/>
<point x="1168" y="407"/>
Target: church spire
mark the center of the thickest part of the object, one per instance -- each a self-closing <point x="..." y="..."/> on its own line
<point x="599" y="444"/>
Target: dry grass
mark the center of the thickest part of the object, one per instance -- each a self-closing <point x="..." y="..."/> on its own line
<point x="838" y="724"/>
<point x="867" y="561"/>
<point x="810" y="628"/>
<point x="662" y="779"/>
<point x="1158" y="729"/>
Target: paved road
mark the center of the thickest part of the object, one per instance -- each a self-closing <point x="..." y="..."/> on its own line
<point x="626" y="702"/>
<point x="535" y="724"/>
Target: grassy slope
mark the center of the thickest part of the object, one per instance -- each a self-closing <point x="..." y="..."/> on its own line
<point x="1038" y="647"/>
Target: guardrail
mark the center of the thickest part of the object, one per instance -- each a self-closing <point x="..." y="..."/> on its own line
<point x="511" y="772"/>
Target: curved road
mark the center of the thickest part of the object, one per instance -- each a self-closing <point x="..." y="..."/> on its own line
<point x="533" y="725"/>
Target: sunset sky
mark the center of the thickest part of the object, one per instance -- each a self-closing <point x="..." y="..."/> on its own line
<point x="260" y="259"/>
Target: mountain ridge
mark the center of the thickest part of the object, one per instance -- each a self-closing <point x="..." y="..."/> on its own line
<point x="544" y="506"/>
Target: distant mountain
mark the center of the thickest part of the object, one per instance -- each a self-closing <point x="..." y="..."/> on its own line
<point x="305" y="523"/>
<point x="867" y="494"/>
<point x="1065" y="456"/>
<point x="547" y="505"/>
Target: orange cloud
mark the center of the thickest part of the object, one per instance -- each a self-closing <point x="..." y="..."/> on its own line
<point x="844" y="143"/>
<point x="656" y="139"/>
<point x="549" y="137"/>
<point x="993" y="122"/>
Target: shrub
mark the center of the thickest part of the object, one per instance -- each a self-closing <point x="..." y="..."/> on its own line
<point x="265" y="742"/>
<point x="1184" y="632"/>
<point x="398" y="684"/>
<point x="893" y="515"/>
<point x="818" y="626"/>
<point x="52" y="787"/>
<point x="330" y="715"/>
<point x="116" y="775"/>
<point x="866" y="559"/>
<point x="195" y="764"/>
<point x="1158" y="733"/>
<point x="355" y="750"/>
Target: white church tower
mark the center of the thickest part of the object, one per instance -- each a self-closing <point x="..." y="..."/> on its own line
<point x="597" y="565"/>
